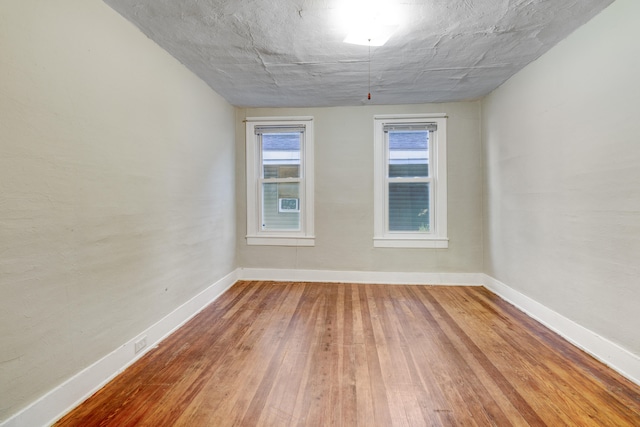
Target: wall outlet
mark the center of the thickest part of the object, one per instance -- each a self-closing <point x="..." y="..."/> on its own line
<point x="140" y="344"/>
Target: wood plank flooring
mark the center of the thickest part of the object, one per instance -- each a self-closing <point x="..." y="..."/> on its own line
<point x="309" y="354"/>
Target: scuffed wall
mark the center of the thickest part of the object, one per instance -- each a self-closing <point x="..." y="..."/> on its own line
<point x="562" y="185"/>
<point x="116" y="189"/>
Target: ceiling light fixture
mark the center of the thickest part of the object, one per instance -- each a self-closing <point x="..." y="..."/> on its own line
<point x="373" y="36"/>
<point x="369" y="23"/>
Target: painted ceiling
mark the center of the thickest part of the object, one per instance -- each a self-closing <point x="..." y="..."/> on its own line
<point x="291" y="53"/>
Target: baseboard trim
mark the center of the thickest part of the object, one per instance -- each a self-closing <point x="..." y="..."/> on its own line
<point x="57" y="402"/>
<point x="382" y="277"/>
<point x="609" y="353"/>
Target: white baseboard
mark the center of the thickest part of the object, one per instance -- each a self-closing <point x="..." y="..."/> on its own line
<point x="57" y="402"/>
<point x="609" y="353"/>
<point x="333" y="276"/>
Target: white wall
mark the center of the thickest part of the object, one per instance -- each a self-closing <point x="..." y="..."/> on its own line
<point x="116" y="189"/>
<point x="562" y="182"/>
<point x="344" y="195"/>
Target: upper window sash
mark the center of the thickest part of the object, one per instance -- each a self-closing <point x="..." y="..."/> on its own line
<point x="282" y="156"/>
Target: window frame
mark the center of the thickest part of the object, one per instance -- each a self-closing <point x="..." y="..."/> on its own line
<point x="254" y="167"/>
<point x="436" y="237"/>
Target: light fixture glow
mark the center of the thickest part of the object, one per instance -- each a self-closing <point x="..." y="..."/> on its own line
<point x="373" y="36"/>
<point x="369" y="23"/>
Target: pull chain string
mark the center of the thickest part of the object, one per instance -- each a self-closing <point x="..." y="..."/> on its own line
<point x="369" y="95"/>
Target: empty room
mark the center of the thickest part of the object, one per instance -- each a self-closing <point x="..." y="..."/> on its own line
<point x="319" y="213"/>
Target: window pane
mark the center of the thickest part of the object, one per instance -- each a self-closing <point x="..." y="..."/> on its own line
<point x="408" y="153"/>
<point x="281" y="155"/>
<point x="409" y="207"/>
<point x="281" y="206"/>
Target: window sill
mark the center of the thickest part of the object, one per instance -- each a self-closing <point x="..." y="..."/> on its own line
<point x="280" y="241"/>
<point x="395" y="242"/>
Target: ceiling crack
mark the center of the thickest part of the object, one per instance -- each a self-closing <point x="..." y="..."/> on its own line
<point x="256" y="49"/>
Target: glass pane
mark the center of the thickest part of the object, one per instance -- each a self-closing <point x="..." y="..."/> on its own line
<point x="408" y="153"/>
<point x="409" y="207"/>
<point x="281" y="206"/>
<point x="281" y="155"/>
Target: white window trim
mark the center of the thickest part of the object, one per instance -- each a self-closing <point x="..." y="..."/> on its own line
<point x="437" y="237"/>
<point x="255" y="235"/>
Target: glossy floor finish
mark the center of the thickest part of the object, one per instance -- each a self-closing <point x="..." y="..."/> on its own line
<point x="303" y="354"/>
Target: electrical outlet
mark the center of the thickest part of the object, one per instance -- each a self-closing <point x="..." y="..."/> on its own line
<point x="140" y="344"/>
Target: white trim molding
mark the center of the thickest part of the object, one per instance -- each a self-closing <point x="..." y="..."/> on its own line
<point x="411" y="243"/>
<point x="281" y="241"/>
<point x="57" y="402"/>
<point x="609" y="353"/>
<point x="277" y="119"/>
<point x="382" y="277"/>
<point x="411" y="116"/>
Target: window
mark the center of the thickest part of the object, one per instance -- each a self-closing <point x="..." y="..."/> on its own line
<point x="410" y="182"/>
<point x="280" y="181"/>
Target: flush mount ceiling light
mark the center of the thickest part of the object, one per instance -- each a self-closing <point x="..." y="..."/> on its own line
<point x="370" y="36"/>
<point x="369" y="23"/>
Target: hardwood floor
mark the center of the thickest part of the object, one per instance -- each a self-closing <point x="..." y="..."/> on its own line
<point x="294" y="354"/>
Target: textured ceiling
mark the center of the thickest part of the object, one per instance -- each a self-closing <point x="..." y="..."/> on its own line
<point x="290" y="53"/>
